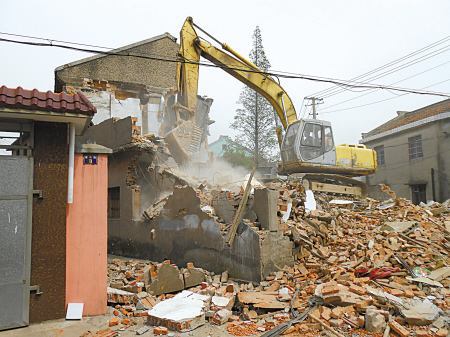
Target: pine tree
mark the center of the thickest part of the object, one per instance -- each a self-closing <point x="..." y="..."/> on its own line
<point x="255" y="120"/>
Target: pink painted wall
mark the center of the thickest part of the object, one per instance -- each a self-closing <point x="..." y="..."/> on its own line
<point x="86" y="240"/>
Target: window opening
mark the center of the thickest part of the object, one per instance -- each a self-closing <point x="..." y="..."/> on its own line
<point x="419" y="193"/>
<point x="415" y="147"/>
<point x="311" y="142"/>
<point x="114" y="202"/>
<point x="380" y="155"/>
<point x="329" y="144"/>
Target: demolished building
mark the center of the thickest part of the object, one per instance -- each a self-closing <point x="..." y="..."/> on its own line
<point x="156" y="212"/>
<point x="136" y="109"/>
<point x="135" y="80"/>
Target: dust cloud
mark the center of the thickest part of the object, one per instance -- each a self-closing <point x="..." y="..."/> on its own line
<point x="218" y="172"/>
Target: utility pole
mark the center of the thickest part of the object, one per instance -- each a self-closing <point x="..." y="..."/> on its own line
<point x="315" y="101"/>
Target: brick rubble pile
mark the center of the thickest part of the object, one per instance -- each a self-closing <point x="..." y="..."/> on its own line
<point x="360" y="268"/>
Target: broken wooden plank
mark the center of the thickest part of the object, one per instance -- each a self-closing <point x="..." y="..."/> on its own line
<point x="240" y="211"/>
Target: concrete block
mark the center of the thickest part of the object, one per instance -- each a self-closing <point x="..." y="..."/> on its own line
<point x="193" y="277"/>
<point x="146" y="274"/>
<point x="276" y="252"/>
<point x="221" y="316"/>
<point x="265" y="207"/>
<point x="167" y="280"/>
<point x="374" y="321"/>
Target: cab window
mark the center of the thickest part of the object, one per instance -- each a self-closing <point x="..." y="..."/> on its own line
<point x="289" y="139"/>
<point x="312" y="135"/>
<point x="329" y="144"/>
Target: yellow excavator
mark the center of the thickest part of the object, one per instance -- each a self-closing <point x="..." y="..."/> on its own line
<point x="307" y="148"/>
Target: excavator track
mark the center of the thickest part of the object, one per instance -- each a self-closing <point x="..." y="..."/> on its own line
<point x="333" y="185"/>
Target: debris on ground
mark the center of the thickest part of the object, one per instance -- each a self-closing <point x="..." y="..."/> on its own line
<point x="361" y="267"/>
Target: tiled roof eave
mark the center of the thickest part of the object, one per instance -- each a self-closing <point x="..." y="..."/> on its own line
<point x="44" y="112"/>
<point x="408" y="126"/>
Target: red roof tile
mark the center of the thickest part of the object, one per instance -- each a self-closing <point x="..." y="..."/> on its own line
<point x="417" y="115"/>
<point x="45" y="101"/>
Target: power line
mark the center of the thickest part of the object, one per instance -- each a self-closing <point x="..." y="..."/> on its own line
<point x="53" y="40"/>
<point x="372" y="91"/>
<point x="422" y="58"/>
<point x="272" y="73"/>
<point x="390" y="63"/>
<point x="383" y="100"/>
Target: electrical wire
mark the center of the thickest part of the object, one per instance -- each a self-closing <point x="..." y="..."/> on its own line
<point x="272" y="73"/>
<point x="372" y="91"/>
<point x="406" y="143"/>
<point x="422" y="58"/>
<point x="74" y="43"/>
<point x="383" y="100"/>
<point x="51" y="40"/>
<point x="322" y="92"/>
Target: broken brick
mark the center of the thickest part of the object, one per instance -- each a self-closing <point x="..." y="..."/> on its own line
<point x="402" y="331"/>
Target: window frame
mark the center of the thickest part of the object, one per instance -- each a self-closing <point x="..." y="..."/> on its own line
<point x="318" y="139"/>
<point x="415" y="148"/>
<point x="381" y="158"/>
<point x="114" y="202"/>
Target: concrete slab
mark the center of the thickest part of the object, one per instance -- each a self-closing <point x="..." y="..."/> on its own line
<point x="184" y="312"/>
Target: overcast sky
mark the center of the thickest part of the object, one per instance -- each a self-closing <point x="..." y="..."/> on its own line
<point x="333" y="39"/>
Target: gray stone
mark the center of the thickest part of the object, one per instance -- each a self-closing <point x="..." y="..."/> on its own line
<point x="193" y="277"/>
<point x="142" y="330"/>
<point x="418" y="312"/>
<point x="265" y="207"/>
<point x="167" y="281"/>
<point x="439" y="323"/>
<point x="276" y="252"/>
<point x="146" y="274"/>
<point x="374" y="321"/>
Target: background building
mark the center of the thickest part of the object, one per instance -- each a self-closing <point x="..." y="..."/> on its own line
<point x="413" y="152"/>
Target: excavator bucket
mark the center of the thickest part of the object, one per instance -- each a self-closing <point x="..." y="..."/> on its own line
<point x="184" y="142"/>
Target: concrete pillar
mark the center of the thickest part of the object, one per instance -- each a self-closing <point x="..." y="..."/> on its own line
<point x="86" y="228"/>
<point x="265" y="207"/>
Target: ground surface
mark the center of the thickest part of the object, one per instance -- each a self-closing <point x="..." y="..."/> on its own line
<point x="63" y="328"/>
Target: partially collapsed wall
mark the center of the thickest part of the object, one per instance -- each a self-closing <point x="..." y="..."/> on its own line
<point x="183" y="227"/>
<point x="183" y="233"/>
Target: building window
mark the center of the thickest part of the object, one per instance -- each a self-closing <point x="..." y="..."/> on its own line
<point x="114" y="202"/>
<point x="415" y="147"/>
<point x="419" y="193"/>
<point x="380" y="155"/>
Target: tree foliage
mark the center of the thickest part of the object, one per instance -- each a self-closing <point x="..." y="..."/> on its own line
<point x="238" y="157"/>
<point x="254" y="121"/>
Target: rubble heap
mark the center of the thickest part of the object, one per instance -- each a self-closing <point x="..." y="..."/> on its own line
<point x="359" y="267"/>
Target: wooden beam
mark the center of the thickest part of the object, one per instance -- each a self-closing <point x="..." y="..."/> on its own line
<point x="240" y="211"/>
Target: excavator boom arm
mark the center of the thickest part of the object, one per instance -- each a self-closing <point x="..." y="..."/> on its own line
<point x="191" y="48"/>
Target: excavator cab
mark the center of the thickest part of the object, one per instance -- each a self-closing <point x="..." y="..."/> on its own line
<point x="309" y="141"/>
